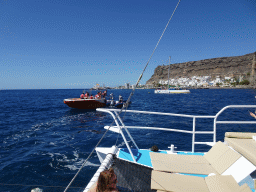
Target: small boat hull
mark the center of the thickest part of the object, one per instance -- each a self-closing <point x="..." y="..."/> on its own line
<point x="85" y="103"/>
<point x="120" y="105"/>
<point x="116" y="104"/>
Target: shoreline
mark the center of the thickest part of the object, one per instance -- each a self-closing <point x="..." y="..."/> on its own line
<point x="240" y="87"/>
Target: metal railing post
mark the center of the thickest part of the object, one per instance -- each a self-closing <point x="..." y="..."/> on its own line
<point x="214" y="129"/>
<point x="121" y="132"/>
<point x="193" y="135"/>
<point x="126" y="130"/>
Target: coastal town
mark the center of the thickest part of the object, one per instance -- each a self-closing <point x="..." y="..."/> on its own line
<point x="205" y="82"/>
<point x="192" y="82"/>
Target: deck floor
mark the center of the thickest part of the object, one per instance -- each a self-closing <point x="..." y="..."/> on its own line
<point x="141" y="156"/>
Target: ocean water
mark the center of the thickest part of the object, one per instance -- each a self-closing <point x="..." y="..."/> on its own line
<point x="43" y="142"/>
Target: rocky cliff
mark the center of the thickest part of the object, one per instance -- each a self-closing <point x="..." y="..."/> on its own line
<point x="223" y="66"/>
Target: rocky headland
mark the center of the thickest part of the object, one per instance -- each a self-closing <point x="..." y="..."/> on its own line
<point x="223" y="67"/>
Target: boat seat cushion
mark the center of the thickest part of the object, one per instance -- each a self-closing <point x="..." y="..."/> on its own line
<point x="178" y="183"/>
<point x="162" y="181"/>
<point x="222" y="183"/>
<point x="193" y="164"/>
<point x="183" y="167"/>
<point x="216" y="152"/>
<point x="217" y="160"/>
<point x="246" y="147"/>
<point x="176" y="157"/>
<point x="239" y="135"/>
<point x="225" y="161"/>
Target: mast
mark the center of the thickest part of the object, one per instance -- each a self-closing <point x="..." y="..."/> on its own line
<point x="169" y="71"/>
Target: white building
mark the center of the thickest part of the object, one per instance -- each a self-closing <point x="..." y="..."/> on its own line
<point x="127" y="85"/>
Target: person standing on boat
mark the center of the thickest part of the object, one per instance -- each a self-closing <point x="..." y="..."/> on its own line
<point x="86" y="95"/>
<point x="97" y="96"/>
<point x="120" y="99"/>
<point x="104" y="94"/>
<point x="111" y="96"/>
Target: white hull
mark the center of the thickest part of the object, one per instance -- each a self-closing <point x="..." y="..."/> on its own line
<point x="171" y="91"/>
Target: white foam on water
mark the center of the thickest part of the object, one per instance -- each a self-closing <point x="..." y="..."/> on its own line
<point x="76" y="154"/>
<point x="121" y="144"/>
<point x="78" y="164"/>
<point x="51" y="154"/>
<point x="52" y="143"/>
<point x="71" y="167"/>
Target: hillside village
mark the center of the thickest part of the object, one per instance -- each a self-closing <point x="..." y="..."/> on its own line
<point x="205" y="81"/>
<point x="195" y="82"/>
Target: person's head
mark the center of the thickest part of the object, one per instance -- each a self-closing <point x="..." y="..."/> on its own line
<point x="154" y="148"/>
<point x="107" y="181"/>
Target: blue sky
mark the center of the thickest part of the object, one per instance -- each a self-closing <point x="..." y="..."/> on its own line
<point x="51" y="44"/>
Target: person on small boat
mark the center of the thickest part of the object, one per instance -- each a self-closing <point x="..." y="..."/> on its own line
<point x="104" y="94"/>
<point x="98" y="96"/>
<point x="91" y="97"/>
<point x="82" y="95"/>
<point x="120" y="99"/>
<point x="106" y="182"/>
<point x="86" y="95"/>
<point x="111" y="96"/>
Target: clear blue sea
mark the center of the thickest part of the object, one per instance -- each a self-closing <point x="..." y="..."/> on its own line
<point x="43" y="142"/>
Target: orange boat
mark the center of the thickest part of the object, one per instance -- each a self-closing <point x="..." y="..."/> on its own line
<point x="79" y="103"/>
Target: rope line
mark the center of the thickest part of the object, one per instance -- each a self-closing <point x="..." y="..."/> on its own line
<point x="127" y="102"/>
<point x="86" y="161"/>
<point x="151" y="56"/>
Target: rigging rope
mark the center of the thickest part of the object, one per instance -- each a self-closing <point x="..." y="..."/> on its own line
<point x="86" y="161"/>
<point x="150" y="57"/>
<point x="127" y="102"/>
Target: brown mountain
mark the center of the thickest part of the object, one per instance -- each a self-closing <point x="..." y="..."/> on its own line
<point x="222" y="66"/>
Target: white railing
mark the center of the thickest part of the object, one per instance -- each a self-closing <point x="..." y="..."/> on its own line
<point x="119" y="128"/>
<point x="104" y="165"/>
